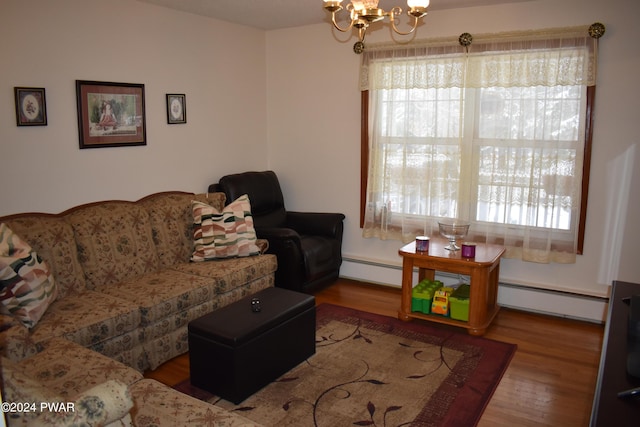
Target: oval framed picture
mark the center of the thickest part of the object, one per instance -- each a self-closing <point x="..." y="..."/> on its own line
<point x="176" y="109"/>
<point x="31" y="106"/>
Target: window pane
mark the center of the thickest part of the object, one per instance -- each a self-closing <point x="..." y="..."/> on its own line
<point x="530" y="113"/>
<point x="420" y="178"/>
<point x="527" y="142"/>
<point x="527" y="186"/>
<point x="432" y="113"/>
<point x="419" y="151"/>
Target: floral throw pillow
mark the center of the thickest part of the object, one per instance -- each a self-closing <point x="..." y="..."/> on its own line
<point x="27" y="287"/>
<point x="225" y="234"/>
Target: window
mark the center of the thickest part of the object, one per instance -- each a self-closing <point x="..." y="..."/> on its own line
<point x="496" y="136"/>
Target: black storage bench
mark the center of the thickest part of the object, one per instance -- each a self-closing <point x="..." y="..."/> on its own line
<point x="235" y="351"/>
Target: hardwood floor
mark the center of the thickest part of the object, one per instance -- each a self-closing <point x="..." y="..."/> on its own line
<point x="551" y="378"/>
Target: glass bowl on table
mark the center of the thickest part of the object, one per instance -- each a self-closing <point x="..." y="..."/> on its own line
<point x="453" y="229"/>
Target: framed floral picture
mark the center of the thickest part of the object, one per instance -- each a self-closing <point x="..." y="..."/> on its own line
<point x="110" y="114"/>
<point x="31" y="106"/>
<point x="176" y="108"/>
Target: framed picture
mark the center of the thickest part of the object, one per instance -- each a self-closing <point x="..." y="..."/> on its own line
<point x="31" y="106"/>
<point x="176" y="108"/>
<point x="110" y="114"/>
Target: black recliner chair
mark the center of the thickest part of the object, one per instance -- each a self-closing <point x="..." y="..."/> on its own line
<point x="308" y="245"/>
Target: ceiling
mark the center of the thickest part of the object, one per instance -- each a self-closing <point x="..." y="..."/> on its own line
<point x="276" y="14"/>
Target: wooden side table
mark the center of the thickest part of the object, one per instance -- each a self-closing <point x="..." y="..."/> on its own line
<point x="483" y="271"/>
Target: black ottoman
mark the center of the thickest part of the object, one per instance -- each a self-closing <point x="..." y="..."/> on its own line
<point x="234" y="351"/>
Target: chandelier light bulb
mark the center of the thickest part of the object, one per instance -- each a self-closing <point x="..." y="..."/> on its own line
<point x="358" y="5"/>
<point x="418" y="3"/>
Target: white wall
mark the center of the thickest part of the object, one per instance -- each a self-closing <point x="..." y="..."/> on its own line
<point x="219" y="66"/>
<point x="314" y="134"/>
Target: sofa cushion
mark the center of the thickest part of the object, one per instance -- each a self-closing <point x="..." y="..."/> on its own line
<point x="171" y="219"/>
<point x="87" y="318"/>
<point x="161" y="294"/>
<point x="223" y="234"/>
<point x="15" y="339"/>
<point x="27" y="286"/>
<point x="52" y="237"/>
<point x="126" y="348"/>
<point x="228" y="274"/>
<point x="168" y="337"/>
<point x="115" y="242"/>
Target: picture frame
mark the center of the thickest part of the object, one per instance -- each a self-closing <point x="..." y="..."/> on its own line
<point x="176" y="108"/>
<point x="110" y="114"/>
<point x="31" y="106"/>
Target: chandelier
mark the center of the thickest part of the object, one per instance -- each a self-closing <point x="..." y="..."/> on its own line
<point x="365" y="12"/>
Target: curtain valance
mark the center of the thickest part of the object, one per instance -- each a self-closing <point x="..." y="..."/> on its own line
<point x="565" y="56"/>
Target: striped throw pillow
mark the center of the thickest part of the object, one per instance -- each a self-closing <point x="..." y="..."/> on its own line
<point x="27" y="287"/>
<point x="225" y="234"/>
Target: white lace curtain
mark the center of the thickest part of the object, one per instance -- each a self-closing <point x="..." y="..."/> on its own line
<point x="491" y="132"/>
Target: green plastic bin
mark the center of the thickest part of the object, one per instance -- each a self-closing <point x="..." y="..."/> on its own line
<point x="459" y="303"/>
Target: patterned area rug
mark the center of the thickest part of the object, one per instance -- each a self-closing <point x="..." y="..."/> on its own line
<point x="372" y="370"/>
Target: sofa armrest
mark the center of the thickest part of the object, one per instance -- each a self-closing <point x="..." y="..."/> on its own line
<point x="316" y="223"/>
<point x="101" y="405"/>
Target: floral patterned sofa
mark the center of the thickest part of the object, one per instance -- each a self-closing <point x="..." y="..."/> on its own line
<point x="125" y="290"/>
<point x="80" y="387"/>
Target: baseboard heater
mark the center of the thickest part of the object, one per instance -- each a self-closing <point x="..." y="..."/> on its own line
<point x="515" y="287"/>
